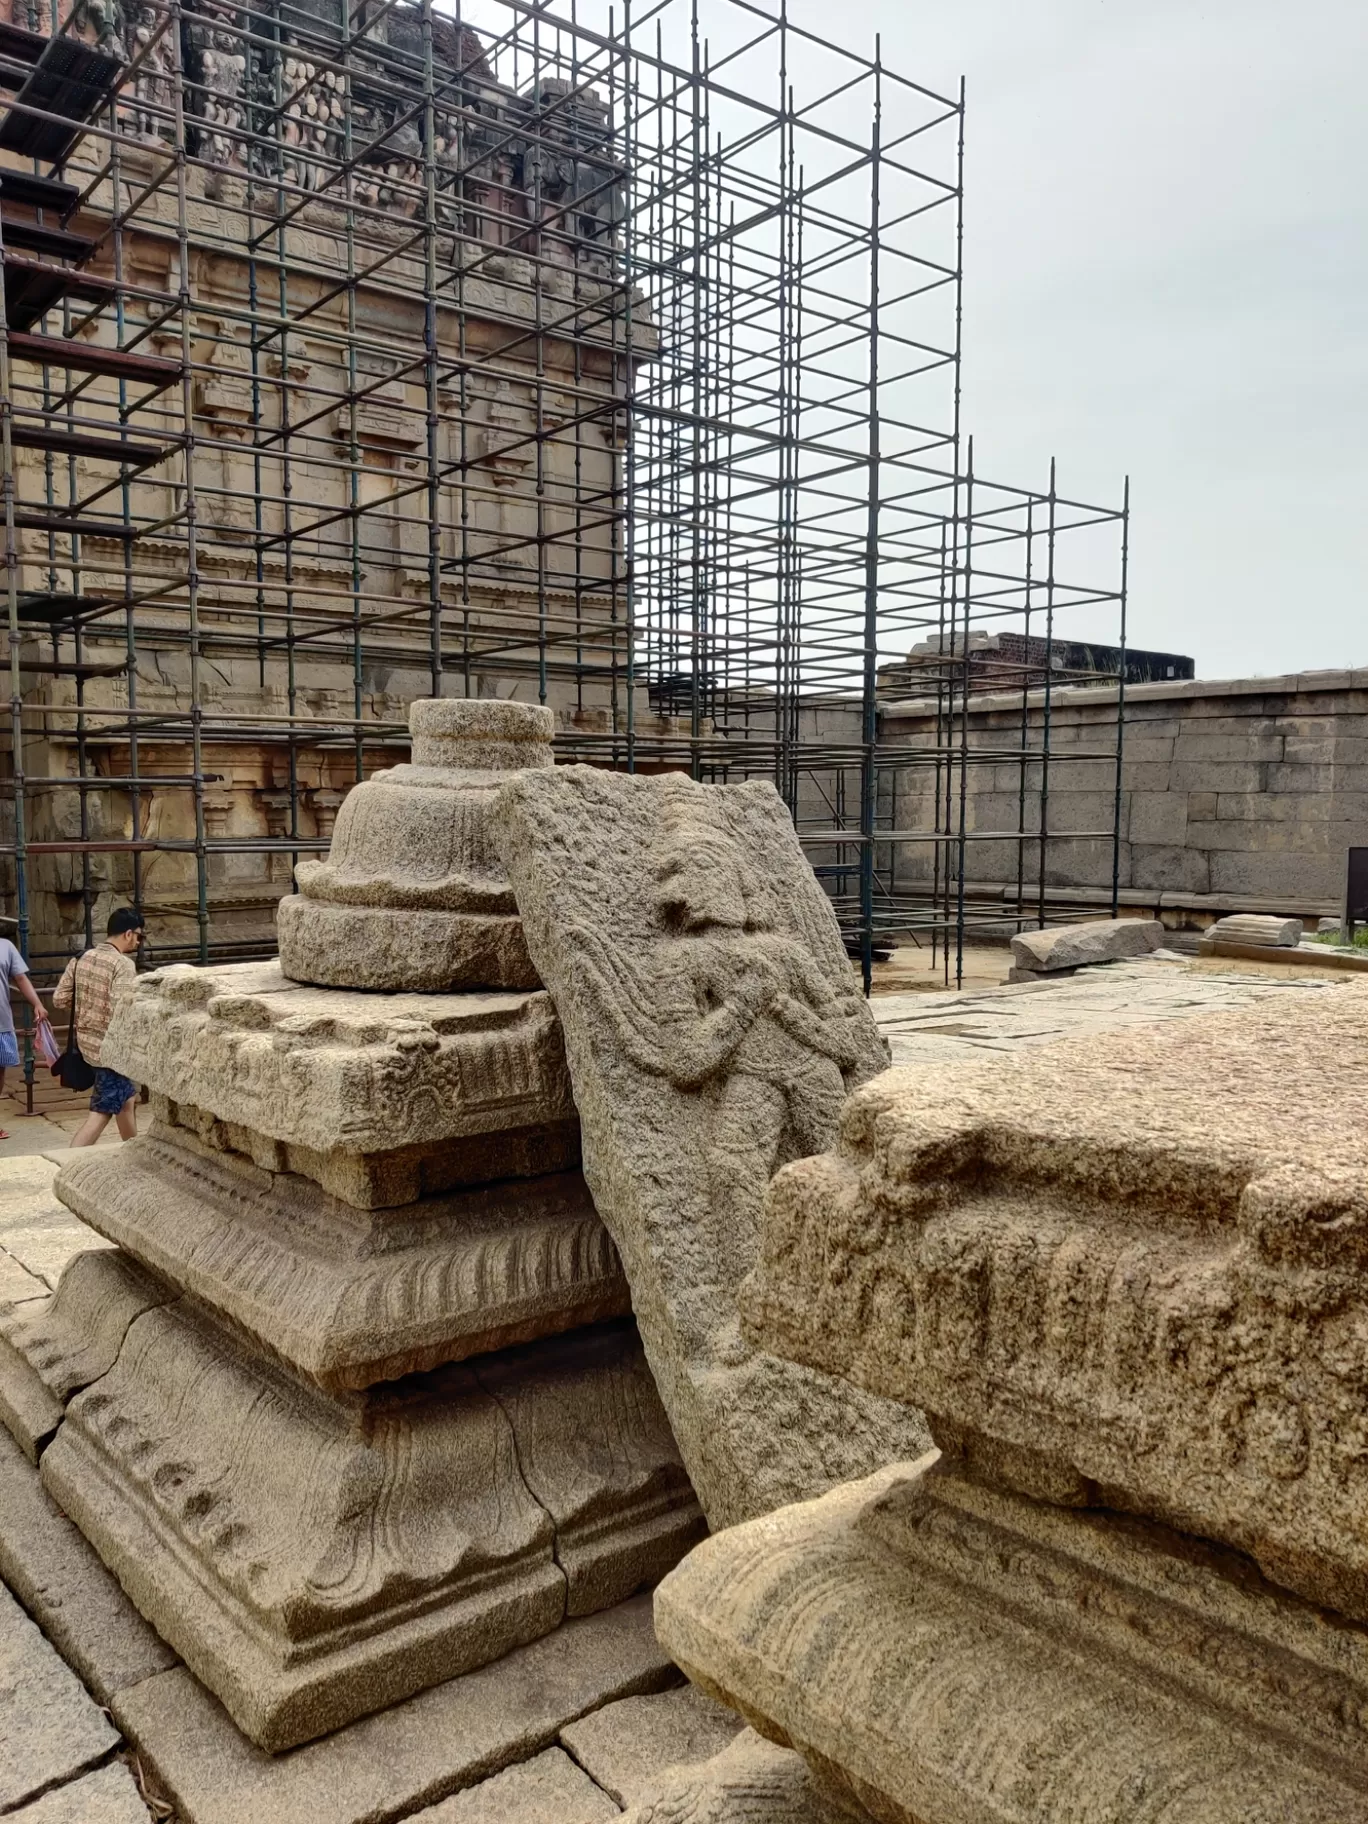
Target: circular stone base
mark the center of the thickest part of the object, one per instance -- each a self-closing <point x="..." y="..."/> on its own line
<point x="383" y="947"/>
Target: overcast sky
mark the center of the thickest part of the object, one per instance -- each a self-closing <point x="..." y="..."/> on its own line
<point x="1167" y="273"/>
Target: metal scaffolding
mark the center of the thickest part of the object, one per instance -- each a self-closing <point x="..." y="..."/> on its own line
<point x="581" y="354"/>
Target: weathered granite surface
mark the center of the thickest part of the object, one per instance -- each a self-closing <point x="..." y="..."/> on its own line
<point x="1101" y="940"/>
<point x="713" y="1028"/>
<point x="750" y="1782"/>
<point x="626" y="1746"/>
<point x="412" y="894"/>
<point x="335" y="1071"/>
<point x="939" y="1650"/>
<point x="345" y="1296"/>
<point x="548" y="1789"/>
<point x="1128" y="1272"/>
<point x="106" y="1796"/>
<point x="56" y="1730"/>
<point x="52" y="1347"/>
<point x="415" y="1753"/>
<point x="1255" y="928"/>
<point x="315" y="1557"/>
<point x="75" y="1600"/>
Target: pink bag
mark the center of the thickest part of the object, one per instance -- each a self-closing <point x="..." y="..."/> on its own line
<point x="44" y="1044"/>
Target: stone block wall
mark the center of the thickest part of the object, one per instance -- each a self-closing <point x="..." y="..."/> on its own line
<point x="1240" y="794"/>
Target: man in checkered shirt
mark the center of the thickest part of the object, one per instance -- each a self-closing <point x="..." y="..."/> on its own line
<point x="98" y="979"/>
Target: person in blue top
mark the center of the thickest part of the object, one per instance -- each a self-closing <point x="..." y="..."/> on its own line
<point x="14" y="972"/>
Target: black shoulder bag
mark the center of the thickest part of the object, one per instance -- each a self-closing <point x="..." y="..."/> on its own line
<point x="71" y="1069"/>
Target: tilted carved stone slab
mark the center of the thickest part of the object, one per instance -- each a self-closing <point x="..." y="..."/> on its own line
<point x="348" y="1297"/>
<point x="331" y="1070"/>
<point x="52" y="1347"/>
<point x="315" y="1558"/>
<point x="713" y="1027"/>
<point x="1128" y="1272"/>
<point x="939" y="1651"/>
<point x="412" y="894"/>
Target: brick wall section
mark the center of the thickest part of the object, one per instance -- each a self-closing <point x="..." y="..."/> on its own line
<point x="1243" y="793"/>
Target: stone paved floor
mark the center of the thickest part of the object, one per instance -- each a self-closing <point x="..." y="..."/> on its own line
<point x="62" y="1760"/>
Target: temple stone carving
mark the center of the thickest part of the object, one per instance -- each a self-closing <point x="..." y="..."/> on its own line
<point x="361" y="1404"/>
<point x="1134" y="1582"/>
<point x="412" y="894"/>
<point x="713" y="1028"/>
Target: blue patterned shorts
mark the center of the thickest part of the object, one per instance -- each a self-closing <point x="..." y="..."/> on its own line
<point x="111" y="1092"/>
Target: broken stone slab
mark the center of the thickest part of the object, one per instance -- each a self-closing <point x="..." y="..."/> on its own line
<point x="548" y="1789"/>
<point x="314" y="1557"/>
<point x="51" y="1348"/>
<point x="347" y="1297"/>
<point x="337" y="1072"/>
<point x="625" y="1747"/>
<point x="940" y="1650"/>
<point x="1109" y="1279"/>
<point x="1103" y="940"/>
<point x="109" y="1795"/>
<point x="412" y="894"/>
<point x="51" y="1730"/>
<point x="412" y="1754"/>
<point x="17" y="1285"/>
<point x="713" y="1030"/>
<point x="750" y="1782"/>
<point x="62" y="1584"/>
<point x="1256" y="929"/>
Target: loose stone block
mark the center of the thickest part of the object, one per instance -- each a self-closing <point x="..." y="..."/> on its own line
<point x="57" y="1576"/>
<point x="412" y="894"/>
<point x="109" y="1795"/>
<point x="51" y="1729"/>
<point x="1129" y="1272"/>
<point x="412" y="1754"/>
<point x="548" y="1789"/>
<point x="51" y="1348"/>
<point x="751" y="1782"/>
<point x="942" y="1650"/>
<point x="713" y="1029"/>
<point x="331" y="1071"/>
<point x="315" y="1557"/>
<point x="626" y="1746"/>
<point x="1254" y="928"/>
<point x="349" y="1298"/>
<point x="1103" y="940"/>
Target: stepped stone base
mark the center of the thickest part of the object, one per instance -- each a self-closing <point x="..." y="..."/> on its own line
<point x="350" y="1297"/>
<point x="315" y="1558"/>
<point x="947" y="1652"/>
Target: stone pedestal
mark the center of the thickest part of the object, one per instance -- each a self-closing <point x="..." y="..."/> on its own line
<point x="412" y="894"/>
<point x="362" y="1405"/>
<point x="1125" y="1280"/>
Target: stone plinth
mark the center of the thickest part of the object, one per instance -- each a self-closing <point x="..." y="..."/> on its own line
<point x="947" y="1653"/>
<point x="1128" y="1271"/>
<point x="364" y="1093"/>
<point x="713" y="1028"/>
<point x="350" y="1297"/>
<point x="383" y="1415"/>
<point x="315" y="1558"/>
<point x="412" y="894"/>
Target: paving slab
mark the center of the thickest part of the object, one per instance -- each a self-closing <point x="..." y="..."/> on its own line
<point x="58" y="1578"/>
<point x="548" y="1789"/>
<point x="107" y="1796"/>
<point x="48" y="1240"/>
<point x="17" y="1284"/>
<point x="388" y="1765"/>
<point x="50" y="1729"/>
<point x="624" y="1747"/>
